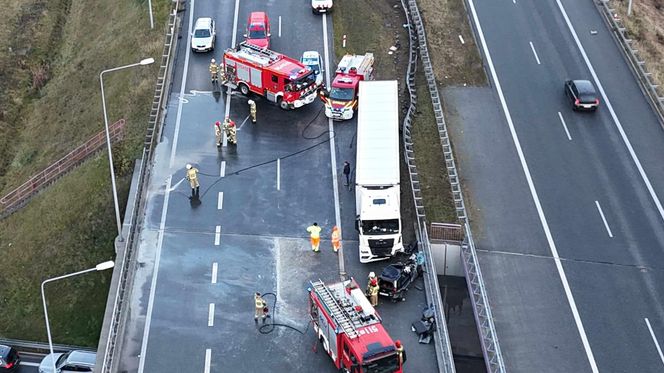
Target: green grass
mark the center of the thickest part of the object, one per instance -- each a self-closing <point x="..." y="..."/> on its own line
<point x="70" y="226"/>
<point x="436" y="192"/>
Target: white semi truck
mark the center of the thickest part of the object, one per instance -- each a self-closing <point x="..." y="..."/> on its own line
<point x="377" y="191"/>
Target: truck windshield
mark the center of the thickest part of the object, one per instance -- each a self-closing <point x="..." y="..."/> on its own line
<point x="301" y="83"/>
<point x="342" y="94"/>
<point x="389" y="226"/>
<point x="387" y="364"/>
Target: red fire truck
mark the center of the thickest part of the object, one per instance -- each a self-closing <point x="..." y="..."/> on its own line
<point x="273" y="75"/>
<point x="341" y="100"/>
<point x="350" y="329"/>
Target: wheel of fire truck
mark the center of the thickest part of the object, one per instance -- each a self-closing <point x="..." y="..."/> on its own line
<point x="282" y="104"/>
<point x="244" y="89"/>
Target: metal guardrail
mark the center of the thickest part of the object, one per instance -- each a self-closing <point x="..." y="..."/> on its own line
<point x="38" y="347"/>
<point x="486" y="329"/>
<point x="638" y="66"/>
<point x="444" y="355"/>
<point x="18" y="197"/>
<point x="126" y="262"/>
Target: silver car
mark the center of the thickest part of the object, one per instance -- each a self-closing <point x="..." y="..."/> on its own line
<point x="72" y="361"/>
<point x="204" y="35"/>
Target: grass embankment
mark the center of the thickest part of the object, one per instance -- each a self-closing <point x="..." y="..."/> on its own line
<point x="646" y="28"/>
<point x="51" y="103"/>
<point x="376" y="34"/>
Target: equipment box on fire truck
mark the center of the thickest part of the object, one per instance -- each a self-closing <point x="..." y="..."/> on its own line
<point x="377" y="190"/>
<point x="341" y="100"/>
<point x="350" y="329"/>
<point x="273" y="75"/>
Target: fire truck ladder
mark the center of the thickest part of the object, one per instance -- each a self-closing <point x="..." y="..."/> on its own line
<point x="258" y="54"/>
<point x="341" y="316"/>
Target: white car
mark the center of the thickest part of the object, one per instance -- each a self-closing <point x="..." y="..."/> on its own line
<point x="321" y="6"/>
<point x="313" y="61"/>
<point x="204" y="35"/>
<point x="72" y="361"/>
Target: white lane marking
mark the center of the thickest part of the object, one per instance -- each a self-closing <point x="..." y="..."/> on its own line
<point x="642" y="172"/>
<point x="174" y="146"/>
<point x="606" y="224"/>
<point x="224" y="141"/>
<point x="279" y="26"/>
<point x="533" y="192"/>
<point x="560" y="115"/>
<point x="211" y="315"/>
<point x="29" y="364"/>
<point x="535" y="53"/>
<point x="220" y="201"/>
<point x="155" y="274"/>
<point x="654" y="339"/>
<point x="215" y="268"/>
<point x="278" y="173"/>
<point x="222" y="169"/>
<point x="461" y="39"/>
<point x="208" y="360"/>
<point x="330" y="125"/>
<point x="217" y="235"/>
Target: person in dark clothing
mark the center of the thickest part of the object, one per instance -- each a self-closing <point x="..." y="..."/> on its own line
<point x="347" y="172"/>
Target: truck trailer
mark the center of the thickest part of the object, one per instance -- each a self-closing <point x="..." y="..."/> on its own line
<point x="377" y="190"/>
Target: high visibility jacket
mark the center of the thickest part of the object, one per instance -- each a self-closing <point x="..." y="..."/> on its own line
<point x="336" y="236"/>
<point x="260" y="303"/>
<point x="213" y="68"/>
<point x="373" y="290"/>
<point x="191" y="173"/>
<point x="314" y="231"/>
<point x="401" y="355"/>
<point x="217" y="130"/>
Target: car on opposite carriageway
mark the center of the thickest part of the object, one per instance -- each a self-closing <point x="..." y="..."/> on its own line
<point x="582" y="95"/>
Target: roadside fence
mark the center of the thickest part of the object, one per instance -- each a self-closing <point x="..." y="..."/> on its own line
<point x="18" y="197"/>
<point x="638" y="66"/>
<point x="109" y="342"/>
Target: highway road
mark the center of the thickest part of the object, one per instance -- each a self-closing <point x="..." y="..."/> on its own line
<point x="200" y="263"/>
<point x="567" y="204"/>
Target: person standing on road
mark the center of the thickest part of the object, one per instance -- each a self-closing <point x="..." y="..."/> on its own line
<point x="252" y="110"/>
<point x="373" y="292"/>
<point x="217" y="133"/>
<point x="371" y="277"/>
<point x="314" y="234"/>
<point x="192" y="176"/>
<point x="214" y="71"/>
<point x="336" y="239"/>
<point x="347" y="172"/>
<point x="401" y="353"/>
<point x="260" y="308"/>
<point x="231" y="131"/>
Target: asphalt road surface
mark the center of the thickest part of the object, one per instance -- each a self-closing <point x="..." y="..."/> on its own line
<point x="194" y="313"/>
<point x="571" y="231"/>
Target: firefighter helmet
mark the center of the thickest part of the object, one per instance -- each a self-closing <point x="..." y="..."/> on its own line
<point x="250" y="102"/>
<point x="212" y="60"/>
<point x="372" y="274"/>
<point x="188" y="166"/>
<point x="218" y="123"/>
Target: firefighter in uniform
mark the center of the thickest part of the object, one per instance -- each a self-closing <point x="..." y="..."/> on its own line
<point x="372" y="276"/>
<point x="314" y="234"/>
<point x="231" y="130"/>
<point x="336" y="239"/>
<point x="401" y="353"/>
<point x="192" y="176"/>
<point x="373" y="292"/>
<point x="214" y="71"/>
<point x="260" y="308"/>
<point x="217" y="133"/>
<point x="252" y="110"/>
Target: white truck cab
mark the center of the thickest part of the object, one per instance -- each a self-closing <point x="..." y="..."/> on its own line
<point x="321" y="6"/>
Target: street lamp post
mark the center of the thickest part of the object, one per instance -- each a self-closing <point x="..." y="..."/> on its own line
<point x="143" y="62"/>
<point x="99" y="267"/>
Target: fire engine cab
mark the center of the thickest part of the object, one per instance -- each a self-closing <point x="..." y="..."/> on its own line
<point x="341" y="100"/>
<point x="350" y="329"/>
<point x="277" y="77"/>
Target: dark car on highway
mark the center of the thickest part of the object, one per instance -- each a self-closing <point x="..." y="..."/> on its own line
<point x="582" y="95"/>
<point x="9" y="359"/>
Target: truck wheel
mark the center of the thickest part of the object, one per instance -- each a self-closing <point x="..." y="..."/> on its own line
<point x="283" y="104"/>
<point x="244" y="89"/>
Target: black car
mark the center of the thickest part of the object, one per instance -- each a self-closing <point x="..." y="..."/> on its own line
<point x="9" y="359"/>
<point x="582" y="94"/>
